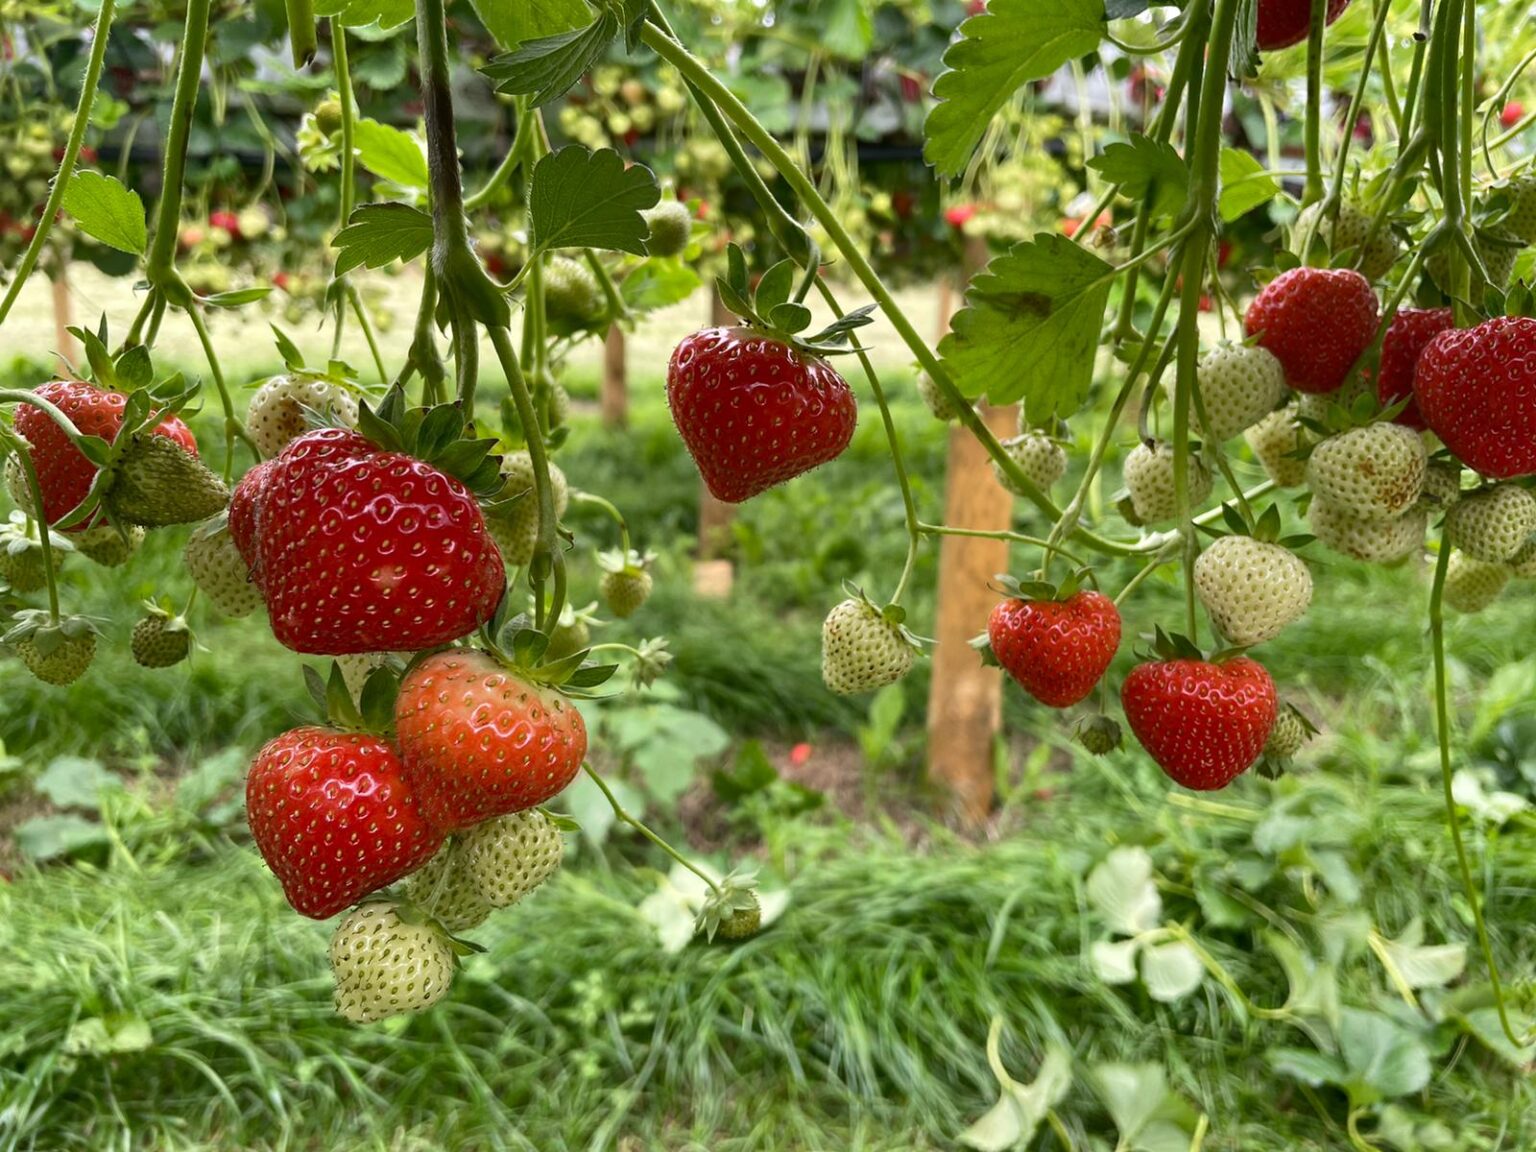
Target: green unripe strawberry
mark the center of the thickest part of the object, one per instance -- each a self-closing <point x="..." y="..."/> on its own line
<point x="385" y="966"/>
<point x="508" y="857"/>
<point x="1251" y="589"/>
<point x="1374" y="473"/>
<point x="571" y="634"/>
<point x="444" y="889"/>
<point x="217" y="568"/>
<point x="1149" y="478"/>
<point x="1374" y="541"/>
<point x="1099" y="734"/>
<point x="1041" y="459"/>
<point x="573" y="300"/>
<point x="108" y="545"/>
<point x="863" y="648"/>
<point x="1492" y="526"/>
<point x="742" y="923"/>
<point x="160" y="640"/>
<point x="1495" y="247"/>
<point x="1471" y="585"/>
<point x="158" y="482"/>
<point x="1275" y="441"/>
<point x="1239" y="386"/>
<point x="671" y="225"/>
<point x="56" y="652"/>
<point x="938" y="403"/>
<point x="1520" y="220"/>
<point x="1442" y="486"/>
<point x="1351" y="230"/>
<point x="626" y="582"/>
<point x="21" y="554"/>
<point x="513" y="517"/>
<point x="328" y="116"/>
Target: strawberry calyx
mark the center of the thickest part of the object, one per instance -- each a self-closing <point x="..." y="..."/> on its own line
<point x="1267" y="529"/>
<point x="625" y="563"/>
<point x="515" y="642"/>
<point x="435" y="435"/>
<point x="1167" y="646"/>
<point x="372" y="712"/>
<point x="731" y="909"/>
<point x="413" y="914"/>
<point x="47" y="632"/>
<point x="770" y="310"/>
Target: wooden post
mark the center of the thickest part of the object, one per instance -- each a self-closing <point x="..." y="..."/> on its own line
<point x="714" y="574"/>
<point x="615" y="380"/>
<point x="63" y="313"/>
<point x="965" y="699"/>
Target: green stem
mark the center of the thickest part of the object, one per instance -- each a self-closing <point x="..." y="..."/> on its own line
<point x="233" y="429"/>
<point x="1357" y="101"/>
<point x="302" y="33"/>
<point x="547" y="558"/>
<point x="914" y="537"/>
<point x="160" y="266"/>
<point x="1314" y="120"/>
<point x="348" y="160"/>
<point x="88" y="87"/>
<point x="614" y="514"/>
<point x="639" y="826"/>
<point x="44" y="533"/>
<point x="1452" y="813"/>
<point x="364" y="323"/>
<point x="509" y="163"/>
<point x="1011" y="537"/>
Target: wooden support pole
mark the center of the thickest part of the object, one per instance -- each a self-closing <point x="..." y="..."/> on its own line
<point x="965" y="699"/>
<point x="714" y="574"/>
<point x="63" y="313"/>
<point x="615" y="380"/>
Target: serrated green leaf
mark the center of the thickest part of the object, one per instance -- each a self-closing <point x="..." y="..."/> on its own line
<point x="549" y="66"/>
<point x="1142" y="167"/>
<point x="1007" y="46"/>
<point x="361" y="13"/>
<point x="377" y="234"/>
<point x="1245" y="185"/>
<point x="583" y="199"/>
<point x="512" y="22"/>
<point x="391" y="154"/>
<point x="1030" y="327"/>
<point x="103" y="208"/>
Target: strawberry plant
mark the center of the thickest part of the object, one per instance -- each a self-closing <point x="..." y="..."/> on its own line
<point x="415" y="526"/>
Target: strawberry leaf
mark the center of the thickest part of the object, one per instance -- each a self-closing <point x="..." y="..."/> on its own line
<point x="377" y="234"/>
<point x="584" y="199"/>
<point x="391" y="154"/>
<point x="1030" y="327"/>
<point x="1007" y="46"/>
<point x="517" y="23"/>
<point x="103" y="208"/>
<point x="1146" y="169"/>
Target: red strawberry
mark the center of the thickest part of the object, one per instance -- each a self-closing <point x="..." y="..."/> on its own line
<point x="1317" y="322"/>
<point x="1286" y="22"/>
<point x="1410" y="331"/>
<point x="245" y="513"/>
<point x="333" y="818"/>
<point x="1056" y="649"/>
<point x="362" y="550"/>
<point x="63" y="473"/>
<point x="480" y="742"/>
<point x="754" y="412"/>
<point x="1477" y="390"/>
<point x="1205" y="724"/>
<point x="225" y="220"/>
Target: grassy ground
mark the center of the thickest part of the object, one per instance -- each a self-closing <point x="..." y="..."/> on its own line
<point x="164" y="996"/>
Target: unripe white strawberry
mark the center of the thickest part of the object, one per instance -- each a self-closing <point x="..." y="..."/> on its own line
<point x="384" y="966"/>
<point x="1041" y="459"/>
<point x="1275" y="440"/>
<point x="1149" y="478"/>
<point x="1251" y="589"/>
<point x="671" y="224"/>
<point x="1351" y="230"/>
<point x="1316" y="406"/>
<point x="863" y="649"/>
<point x="1492" y="526"/>
<point x="1374" y="473"/>
<point x="216" y="567"/>
<point x="513" y="519"/>
<point x="1471" y="584"/>
<point x="277" y="413"/>
<point x="445" y="891"/>
<point x="1522" y="565"/>
<point x="1442" y="486"/>
<point x="1374" y="541"/>
<point x="1521" y="217"/>
<point x="938" y="403"/>
<point x="626" y="582"/>
<point x="508" y="857"/>
<point x="109" y="545"/>
<point x="1239" y="386"/>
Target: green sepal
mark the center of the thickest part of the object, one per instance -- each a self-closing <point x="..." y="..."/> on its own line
<point x="339" y="707"/>
<point x="377" y="700"/>
<point x="287" y="349"/>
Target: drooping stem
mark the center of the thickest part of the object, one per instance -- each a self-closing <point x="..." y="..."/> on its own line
<point x="348" y="160"/>
<point x="233" y="429"/>
<point x="1452" y="813"/>
<point x="44" y="532"/>
<point x="641" y="827"/>
<point x="72" y="146"/>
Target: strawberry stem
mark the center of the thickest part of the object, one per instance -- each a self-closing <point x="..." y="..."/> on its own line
<point x="23" y="454"/>
<point x="639" y="826"/>
<point x="1452" y="813"/>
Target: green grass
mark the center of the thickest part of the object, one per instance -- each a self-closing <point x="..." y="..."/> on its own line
<point x="856" y="1021"/>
